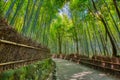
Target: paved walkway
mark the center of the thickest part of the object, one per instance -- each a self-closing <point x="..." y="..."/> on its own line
<point x="67" y="70"/>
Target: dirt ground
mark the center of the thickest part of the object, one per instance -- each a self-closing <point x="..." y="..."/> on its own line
<point x="67" y="70"/>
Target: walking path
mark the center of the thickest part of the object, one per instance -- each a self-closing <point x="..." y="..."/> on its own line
<point x="67" y="70"/>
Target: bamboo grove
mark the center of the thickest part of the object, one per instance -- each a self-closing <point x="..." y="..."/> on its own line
<point x="87" y="27"/>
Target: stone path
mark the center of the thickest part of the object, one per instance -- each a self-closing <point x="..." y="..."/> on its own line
<point x="67" y="70"/>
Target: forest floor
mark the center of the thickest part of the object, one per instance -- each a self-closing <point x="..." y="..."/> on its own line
<point x="67" y="70"/>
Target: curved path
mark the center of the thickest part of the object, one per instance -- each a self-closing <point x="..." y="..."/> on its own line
<point x="67" y="70"/>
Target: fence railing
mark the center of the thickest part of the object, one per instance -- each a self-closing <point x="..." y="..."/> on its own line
<point x="15" y="64"/>
<point x="102" y="64"/>
<point x="111" y="65"/>
<point x="21" y="45"/>
<point x="19" y="55"/>
<point x="12" y="51"/>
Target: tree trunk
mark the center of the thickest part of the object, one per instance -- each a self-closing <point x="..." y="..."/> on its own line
<point x="86" y="44"/>
<point x="114" y="49"/>
<point x="59" y="43"/>
<point x="117" y="10"/>
<point x="116" y="26"/>
<point x="65" y="47"/>
<point x="95" y="34"/>
<point x="77" y="47"/>
<point x="90" y="40"/>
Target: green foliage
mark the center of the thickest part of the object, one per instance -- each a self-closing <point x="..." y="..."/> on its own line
<point x="7" y="75"/>
<point x="36" y="71"/>
<point x="82" y="31"/>
<point x="1" y="8"/>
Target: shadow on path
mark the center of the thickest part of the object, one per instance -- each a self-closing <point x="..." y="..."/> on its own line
<point x="67" y="70"/>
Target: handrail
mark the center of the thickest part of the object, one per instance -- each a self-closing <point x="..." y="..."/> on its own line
<point x="101" y="66"/>
<point x="101" y="61"/>
<point x="21" y="45"/>
<point x="2" y="64"/>
<point x="15" y="62"/>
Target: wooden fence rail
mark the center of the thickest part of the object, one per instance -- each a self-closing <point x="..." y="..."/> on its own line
<point x="101" y="64"/>
<point x="12" y="51"/>
<point x="21" y="45"/>
<point x="15" y="55"/>
<point x="111" y="66"/>
<point x="15" y="64"/>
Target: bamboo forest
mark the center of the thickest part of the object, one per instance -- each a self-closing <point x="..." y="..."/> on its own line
<point x="59" y="39"/>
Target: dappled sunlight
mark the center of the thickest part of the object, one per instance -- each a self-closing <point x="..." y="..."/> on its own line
<point x="102" y="75"/>
<point x="57" y="60"/>
<point x="68" y="64"/>
<point x="81" y="74"/>
<point x="73" y="79"/>
<point x="82" y="37"/>
<point x="71" y="71"/>
<point x="78" y="79"/>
